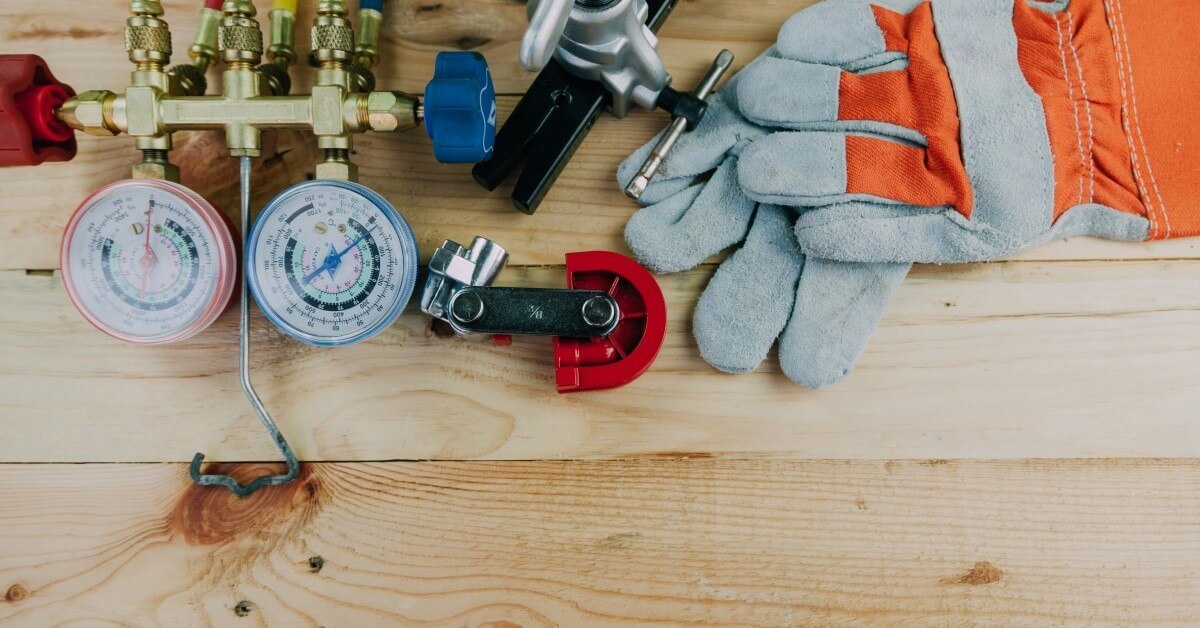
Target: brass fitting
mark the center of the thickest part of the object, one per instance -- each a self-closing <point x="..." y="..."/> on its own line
<point x="91" y="112"/>
<point x="337" y="165"/>
<point x="252" y="99"/>
<point x="283" y="37"/>
<point x="387" y="111"/>
<point x="147" y="36"/>
<point x="154" y="165"/>
<point x="332" y="35"/>
<point x="203" y="51"/>
<point x="366" y="50"/>
<point x="239" y="37"/>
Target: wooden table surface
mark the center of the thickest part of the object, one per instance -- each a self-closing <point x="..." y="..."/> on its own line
<point x="1018" y="444"/>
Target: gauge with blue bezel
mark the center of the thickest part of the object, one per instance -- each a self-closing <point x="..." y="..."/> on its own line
<point x="331" y="263"/>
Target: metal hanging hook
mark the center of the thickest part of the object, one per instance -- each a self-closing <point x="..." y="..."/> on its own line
<point x="293" y="467"/>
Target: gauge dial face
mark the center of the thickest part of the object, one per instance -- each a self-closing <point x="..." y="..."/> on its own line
<point x="331" y="263"/>
<point x="148" y="261"/>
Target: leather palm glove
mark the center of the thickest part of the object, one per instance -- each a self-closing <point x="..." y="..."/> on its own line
<point x="982" y="128"/>
<point x="821" y="312"/>
<point x="938" y="131"/>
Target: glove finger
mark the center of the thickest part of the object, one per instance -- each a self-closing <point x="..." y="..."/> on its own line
<point x="1099" y="221"/>
<point x="698" y="151"/>
<point x="866" y="232"/>
<point x="838" y="306"/>
<point x="691" y="226"/>
<point x="779" y="93"/>
<point x="843" y="33"/>
<point x="871" y="232"/>
<point x="813" y="169"/>
<point x="749" y="300"/>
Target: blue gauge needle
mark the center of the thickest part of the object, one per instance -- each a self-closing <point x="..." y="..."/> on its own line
<point x="334" y="259"/>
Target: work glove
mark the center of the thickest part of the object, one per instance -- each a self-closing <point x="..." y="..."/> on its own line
<point x="821" y="312"/>
<point x="981" y="127"/>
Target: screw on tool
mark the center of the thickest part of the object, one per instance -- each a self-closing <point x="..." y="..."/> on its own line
<point x="600" y="312"/>
<point x="466" y="307"/>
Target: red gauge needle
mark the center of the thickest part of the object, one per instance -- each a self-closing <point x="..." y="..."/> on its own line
<point x="149" y="259"/>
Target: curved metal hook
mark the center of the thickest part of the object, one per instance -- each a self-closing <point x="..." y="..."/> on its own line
<point x="293" y="467"/>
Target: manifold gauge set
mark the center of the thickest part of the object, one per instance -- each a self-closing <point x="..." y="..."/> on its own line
<point x="330" y="262"/>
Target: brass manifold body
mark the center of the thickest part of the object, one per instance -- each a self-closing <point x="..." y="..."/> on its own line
<point x="254" y="98"/>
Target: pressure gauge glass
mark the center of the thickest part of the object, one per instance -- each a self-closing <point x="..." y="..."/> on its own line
<point x="331" y="263"/>
<point x="148" y="261"/>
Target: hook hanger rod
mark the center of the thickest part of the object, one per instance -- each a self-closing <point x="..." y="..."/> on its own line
<point x="293" y="467"/>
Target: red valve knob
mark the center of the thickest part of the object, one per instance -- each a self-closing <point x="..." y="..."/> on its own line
<point x="30" y="133"/>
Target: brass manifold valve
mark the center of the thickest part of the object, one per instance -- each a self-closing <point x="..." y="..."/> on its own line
<point x="148" y="261"/>
<point x="458" y="109"/>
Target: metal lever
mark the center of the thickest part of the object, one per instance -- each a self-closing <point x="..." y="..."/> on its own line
<point x="293" y="467"/>
<point x="547" y="19"/>
<point x="458" y="290"/>
<point x="678" y="126"/>
<point x="533" y="311"/>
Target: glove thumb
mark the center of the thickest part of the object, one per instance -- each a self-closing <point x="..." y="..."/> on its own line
<point x="838" y="305"/>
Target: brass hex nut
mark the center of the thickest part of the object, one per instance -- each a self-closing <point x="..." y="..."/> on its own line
<point x="156" y="170"/>
<point x="85" y="112"/>
<point x="390" y="111"/>
<point x="339" y="170"/>
<point x="382" y="111"/>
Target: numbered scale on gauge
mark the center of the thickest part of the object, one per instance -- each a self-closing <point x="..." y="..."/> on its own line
<point x="148" y="262"/>
<point x="331" y="263"/>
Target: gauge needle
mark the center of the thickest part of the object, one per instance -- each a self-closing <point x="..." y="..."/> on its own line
<point x="149" y="259"/>
<point x="334" y="259"/>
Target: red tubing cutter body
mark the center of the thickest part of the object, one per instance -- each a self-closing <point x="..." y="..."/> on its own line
<point x="629" y="349"/>
<point x="608" y="325"/>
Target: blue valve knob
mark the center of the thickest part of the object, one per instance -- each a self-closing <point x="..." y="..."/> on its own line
<point x="460" y="108"/>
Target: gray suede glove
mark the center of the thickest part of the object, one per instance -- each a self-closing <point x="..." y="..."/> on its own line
<point x="901" y="131"/>
<point x="821" y="312"/>
<point x="980" y="128"/>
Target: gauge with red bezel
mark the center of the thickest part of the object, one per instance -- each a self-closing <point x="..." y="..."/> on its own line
<point x="148" y="261"/>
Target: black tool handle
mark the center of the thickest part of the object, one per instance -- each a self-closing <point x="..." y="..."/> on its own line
<point x="548" y="126"/>
<point x="534" y="311"/>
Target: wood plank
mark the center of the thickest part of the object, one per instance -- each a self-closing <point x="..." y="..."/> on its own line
<point x="566" y="543"/>
<point x="585" y="211"/>
<point x="1010" y="360"/>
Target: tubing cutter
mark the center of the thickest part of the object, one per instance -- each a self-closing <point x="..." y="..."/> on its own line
<point x="605" y="55"/>
<point x="608" y="325"/>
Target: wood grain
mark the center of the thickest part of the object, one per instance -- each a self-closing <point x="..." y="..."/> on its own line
<point x="571" y="543"/>
<point x="584" y="211"/>
<point x="1002" y="360"/>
